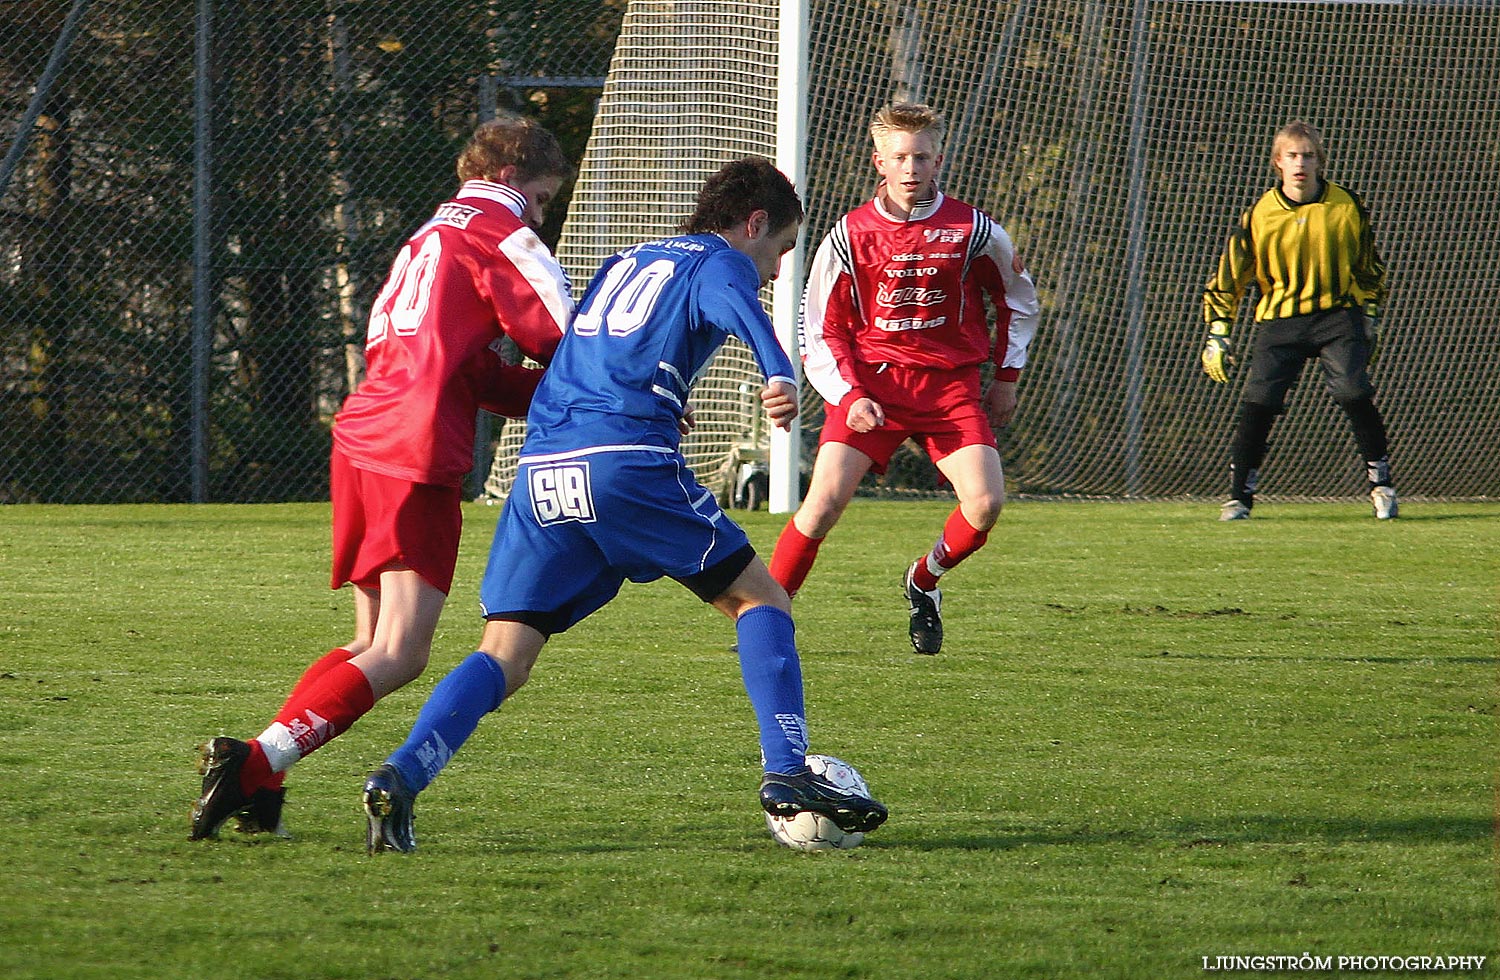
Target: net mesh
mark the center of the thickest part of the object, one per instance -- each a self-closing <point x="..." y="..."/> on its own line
<point x="1117" y="143"/>
<point x="199" y="202"/>
<point x="692" y="85"/>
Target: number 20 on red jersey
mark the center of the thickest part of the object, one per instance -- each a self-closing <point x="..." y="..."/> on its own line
<point x="402" y="303"/>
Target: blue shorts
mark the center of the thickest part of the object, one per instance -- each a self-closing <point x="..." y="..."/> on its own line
<point x="578" y="525"/>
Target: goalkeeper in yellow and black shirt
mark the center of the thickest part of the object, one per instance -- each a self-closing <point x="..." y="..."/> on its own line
<point x="1307" y="245"/>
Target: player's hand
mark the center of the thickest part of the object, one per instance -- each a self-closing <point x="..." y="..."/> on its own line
<point x="865" y="414"/>
<point x="779" y="399"/>
<point x="1372" y="331"/>
<point x="1216" y="352"/>
<point x="1000" y="401"/>
<point x="688" y="421"/>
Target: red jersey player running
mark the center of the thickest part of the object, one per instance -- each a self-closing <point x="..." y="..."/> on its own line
<point x="474" y="273"/>
<point x="893" y="334"/>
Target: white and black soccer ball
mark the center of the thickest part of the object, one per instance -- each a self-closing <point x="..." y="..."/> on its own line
<point x="813" y="831"/>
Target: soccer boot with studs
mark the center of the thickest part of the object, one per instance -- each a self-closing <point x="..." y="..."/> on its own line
<point x="926" y="629"/>
<point x="389" y="812"/>
<point x="1383" y="499"/>
<point x="784" y="795"/>
<point x="219" y="762"/>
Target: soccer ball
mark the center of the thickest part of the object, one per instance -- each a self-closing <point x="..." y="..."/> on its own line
<point x="813" y="831"/>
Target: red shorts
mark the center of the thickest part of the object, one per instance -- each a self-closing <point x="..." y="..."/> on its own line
<point x="381" y="523"/>
<point x="938" y="408"/>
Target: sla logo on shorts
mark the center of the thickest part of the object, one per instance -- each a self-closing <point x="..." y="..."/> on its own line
<point x="561" y="492"/>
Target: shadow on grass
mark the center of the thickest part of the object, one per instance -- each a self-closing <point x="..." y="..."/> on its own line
<point x="1222" y="832"/>
<point x="1410" y="514"/>
<point x="1294" y="658"/>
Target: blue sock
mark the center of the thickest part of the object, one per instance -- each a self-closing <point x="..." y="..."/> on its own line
<point x="773" y="679"/>
<point x="470" y="691"/>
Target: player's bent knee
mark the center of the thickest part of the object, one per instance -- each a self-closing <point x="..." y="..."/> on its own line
<point x="983" y="513"/>
<point x="753" y="587"/>
<point x="389" y="670"/>
<point x="515" y="647"/>
<point x="818" y="515"/>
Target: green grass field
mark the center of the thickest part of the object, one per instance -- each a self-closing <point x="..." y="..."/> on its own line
<point x="1152" y="738"/>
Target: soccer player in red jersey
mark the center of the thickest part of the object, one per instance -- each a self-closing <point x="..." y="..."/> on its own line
<point x="473" y="274"/>
<point x="893" y="334"/>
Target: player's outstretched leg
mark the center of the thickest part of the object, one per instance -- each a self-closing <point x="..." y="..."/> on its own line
<point x="450" y="715"/>
<point x="926" y="629"/>
<point x="389" y="812"/>
<point x="219" y="761"/>
<point x="783" y="795"/>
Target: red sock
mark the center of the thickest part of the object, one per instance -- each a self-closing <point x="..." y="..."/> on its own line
<point x="329" y="705"/>
<point x="959" y="540"/>
<point x="793" y="558"/>
<point x="318" y="668"/>
<point x="257" y="771"/>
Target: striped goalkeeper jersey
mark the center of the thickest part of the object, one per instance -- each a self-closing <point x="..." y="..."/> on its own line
<point x="1304" y="258"/>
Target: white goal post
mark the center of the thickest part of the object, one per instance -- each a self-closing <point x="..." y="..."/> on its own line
<point x="784" y="478"/>
<point x="691" y="86"/>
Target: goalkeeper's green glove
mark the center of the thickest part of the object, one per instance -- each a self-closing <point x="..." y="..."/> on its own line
<point x="1216" y="355"/>
<point x="1372" y="331"/>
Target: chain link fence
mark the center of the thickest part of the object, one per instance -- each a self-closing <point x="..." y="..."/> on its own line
<point x="200" y="201"/>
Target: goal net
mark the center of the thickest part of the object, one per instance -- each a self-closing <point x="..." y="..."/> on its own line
<point x="691" y="86"/>
<point x="1117" y="142"/>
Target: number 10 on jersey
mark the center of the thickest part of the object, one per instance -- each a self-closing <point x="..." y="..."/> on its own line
<point x="624" y="300"/>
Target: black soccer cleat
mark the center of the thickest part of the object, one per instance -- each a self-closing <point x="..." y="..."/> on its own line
<point x="782" y="795"/>
<point x="219" y="761"/>
<point x="388" y="809"/>
<point x="263" y="815"/>
<point x="926" y="618"/>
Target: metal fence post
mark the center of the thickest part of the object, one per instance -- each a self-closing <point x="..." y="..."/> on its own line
<point x="202" y="244"/>
<point x="1135" y="346"/>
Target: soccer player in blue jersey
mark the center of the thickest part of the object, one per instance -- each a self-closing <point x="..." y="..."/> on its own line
<point x="603" y="495"/>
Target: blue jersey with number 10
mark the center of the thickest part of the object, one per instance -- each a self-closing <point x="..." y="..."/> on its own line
<point x="651" y="320"/>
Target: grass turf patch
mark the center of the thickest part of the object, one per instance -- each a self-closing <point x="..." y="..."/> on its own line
<point x="1150" y="738"/>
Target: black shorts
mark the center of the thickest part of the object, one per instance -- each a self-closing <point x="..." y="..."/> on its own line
<point x="1336" y="338"/>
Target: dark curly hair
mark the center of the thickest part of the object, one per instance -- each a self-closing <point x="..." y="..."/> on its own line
<point x="738" y="188"/>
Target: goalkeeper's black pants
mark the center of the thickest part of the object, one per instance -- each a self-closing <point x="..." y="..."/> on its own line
<point x="1253" y="434"/>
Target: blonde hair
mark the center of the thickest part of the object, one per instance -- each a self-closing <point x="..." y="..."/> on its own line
<point x="908" y="117"/>
<point x="1298" y="130"/>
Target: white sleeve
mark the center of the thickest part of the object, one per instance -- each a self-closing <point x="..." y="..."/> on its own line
<point x="819" y="366"/>
<point x="536" y="263"/>
<point x="1020" y="296"/>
